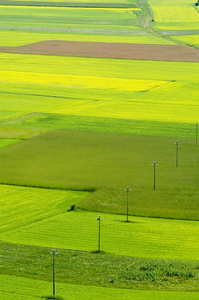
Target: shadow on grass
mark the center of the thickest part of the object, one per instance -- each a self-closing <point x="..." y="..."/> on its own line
<point x="52" y="297"/>
<point x="125" y="221"/>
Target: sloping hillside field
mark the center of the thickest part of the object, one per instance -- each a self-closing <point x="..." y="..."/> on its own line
<point x="99" y="149"/>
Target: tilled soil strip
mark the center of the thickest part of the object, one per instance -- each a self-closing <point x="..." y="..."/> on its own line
<point x="69" y="4"/>
<point x="109" y="50"/>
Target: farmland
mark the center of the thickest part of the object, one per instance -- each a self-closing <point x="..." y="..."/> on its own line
<point x="99" y="115"/>
<point x="173" y="18"/>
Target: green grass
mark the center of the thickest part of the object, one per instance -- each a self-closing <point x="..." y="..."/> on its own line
<point x="38" y="123"/>
<point x="142" y="237"/>
<point x="4" y="142"/>
<point x="29" y="289"/>
<point x="97" y="270"/>
<point x="21" y="205"/>
<point x="106" y="164"/>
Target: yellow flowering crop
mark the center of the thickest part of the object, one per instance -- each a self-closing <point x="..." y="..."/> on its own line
<point x="84" y="82"/>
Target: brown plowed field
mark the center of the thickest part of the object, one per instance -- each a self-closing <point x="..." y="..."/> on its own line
<point x="109" y="50"/>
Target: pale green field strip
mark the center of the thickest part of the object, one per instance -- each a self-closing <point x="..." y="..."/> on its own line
<point x="19" y="38"/>
<point x="24" y="205"/>
<point x="141" y="237"/>
<point x="120" y="89"/>
<point x="107" y="163"/>
<point x="61" y="17"/>
<point x="12" y="288"/>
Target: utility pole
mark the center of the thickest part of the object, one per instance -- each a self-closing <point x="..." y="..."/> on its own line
<point x="53" y="254"/>
<point x="154" y="165"/>
<point x="99" y="219"/>
<point x="197" y="134"/>
<point x="177" y="144"/>
<point x="127" y="210"/>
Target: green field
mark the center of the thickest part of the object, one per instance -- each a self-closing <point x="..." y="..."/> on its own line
<point x="106" y="164"/>
<point x="61" y="17"/>
<point x="142" y="237"/>
<point x="79" y="131"/>
<point x="28" y="289"/>
<point x="176" y="17"/>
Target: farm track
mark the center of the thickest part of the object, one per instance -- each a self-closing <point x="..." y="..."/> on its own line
<point x="178" y="53"/>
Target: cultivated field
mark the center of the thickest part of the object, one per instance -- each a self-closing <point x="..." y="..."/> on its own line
<point x="173" y="18"/>
<point x="92" y="95"/>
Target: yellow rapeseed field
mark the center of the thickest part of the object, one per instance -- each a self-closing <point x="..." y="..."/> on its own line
<point x="72" y="81"/>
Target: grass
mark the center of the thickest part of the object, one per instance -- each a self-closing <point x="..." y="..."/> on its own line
<point x="33" y="289"/>
<point x="142" y="237"/>
<point x="106" y="164"/>
<point x="38" y="123"/>
<point x="4" y="142"/>
<point x="32" y="263"/>
<point x="21" y="205"/>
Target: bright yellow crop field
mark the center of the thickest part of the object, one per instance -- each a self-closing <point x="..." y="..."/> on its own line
<point x="99" y="88"/>
<point x="175" y="17"/>
<point x="188" y="39"/>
